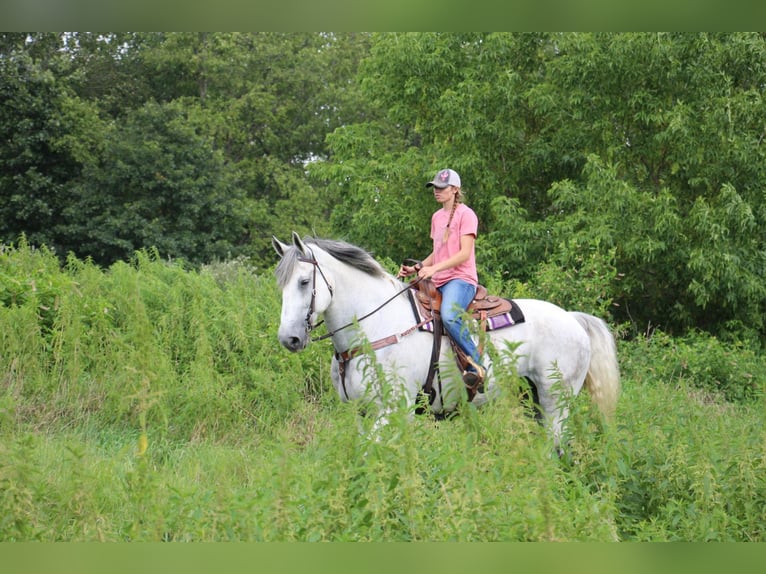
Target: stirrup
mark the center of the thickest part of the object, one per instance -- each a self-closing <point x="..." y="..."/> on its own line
<point x="474" y="380"/>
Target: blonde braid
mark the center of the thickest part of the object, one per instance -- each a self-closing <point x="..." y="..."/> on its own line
<point x="458" y="199"/>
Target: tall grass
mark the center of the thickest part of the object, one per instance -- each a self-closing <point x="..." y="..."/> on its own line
<point x="152" y="402"/>
<point x="145" y="344"/>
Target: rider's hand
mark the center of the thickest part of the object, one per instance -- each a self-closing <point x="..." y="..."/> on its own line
<point x="426" y="272"/>
<point x="406" y="270"/>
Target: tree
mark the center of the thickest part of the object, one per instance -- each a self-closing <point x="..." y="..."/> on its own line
<point x="45" y="134"/>
<point x="300" y="87"/>
<point x="678" y="121"/>
<point x="160" y="183"/>
<point x="272" y="98"/>
<point x="615" y="152"/>
<point x="194" y="143"/>
<point x="450" y="100"/>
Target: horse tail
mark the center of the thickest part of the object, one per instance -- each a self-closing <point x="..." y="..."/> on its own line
<point x="603" y="378"/>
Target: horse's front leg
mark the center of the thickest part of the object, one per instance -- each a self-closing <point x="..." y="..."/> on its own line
<point x="382" y="391"/>
<point x="339" y="376"/>
<point x="393" y="396"/>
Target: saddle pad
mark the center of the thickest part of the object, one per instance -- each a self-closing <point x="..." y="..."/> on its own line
<point x="514" y="316"/>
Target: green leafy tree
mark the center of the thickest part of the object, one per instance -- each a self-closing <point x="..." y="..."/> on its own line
<point x="110" y="69"/>
<point x="160" y="183"/>
<point x="300" y="87"/>
<point x="271" y="98"/>
<point x="453" y="100"/>
<point x="611" y="151"/>
<point x="677" y="120"/>
<point x="46" y="132"/>
<point x="194" y="143"/>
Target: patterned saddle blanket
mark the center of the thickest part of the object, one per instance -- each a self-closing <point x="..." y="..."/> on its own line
<point x="492" y="312"/>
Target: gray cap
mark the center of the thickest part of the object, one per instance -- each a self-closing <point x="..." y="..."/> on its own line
<point x="445" y="178"/>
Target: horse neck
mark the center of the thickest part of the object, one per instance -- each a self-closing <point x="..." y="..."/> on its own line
<point x="356" y="295"/>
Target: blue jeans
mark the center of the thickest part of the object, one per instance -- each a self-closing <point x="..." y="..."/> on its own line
<point x="456" y="296"/>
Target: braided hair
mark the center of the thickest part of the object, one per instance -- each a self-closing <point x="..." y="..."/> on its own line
<point x="458" y="199"/>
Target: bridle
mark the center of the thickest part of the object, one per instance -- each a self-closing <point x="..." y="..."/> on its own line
<point x="312" y="306"/>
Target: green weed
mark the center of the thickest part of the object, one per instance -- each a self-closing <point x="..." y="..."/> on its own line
<point x="150" y="402"/>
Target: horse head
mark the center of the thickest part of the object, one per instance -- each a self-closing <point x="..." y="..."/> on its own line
<point x="304" y="296"/>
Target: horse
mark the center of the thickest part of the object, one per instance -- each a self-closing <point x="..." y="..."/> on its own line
<point x="381" y="354"/>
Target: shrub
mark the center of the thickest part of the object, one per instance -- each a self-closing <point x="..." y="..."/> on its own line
<point x="729" y="370"/>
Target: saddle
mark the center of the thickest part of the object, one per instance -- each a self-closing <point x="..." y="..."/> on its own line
<point x="481" y="308"/>
<point x="490" y="311"/>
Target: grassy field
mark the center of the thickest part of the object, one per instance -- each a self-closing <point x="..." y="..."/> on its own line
<point x="149" y="402"/>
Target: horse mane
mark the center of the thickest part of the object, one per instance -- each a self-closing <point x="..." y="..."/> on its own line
<point x="345" y="252"/>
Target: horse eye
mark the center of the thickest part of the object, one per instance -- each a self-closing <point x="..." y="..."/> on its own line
<point x="304" y="282"/>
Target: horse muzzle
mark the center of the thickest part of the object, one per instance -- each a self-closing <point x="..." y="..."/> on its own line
<point x="294" y="343"/>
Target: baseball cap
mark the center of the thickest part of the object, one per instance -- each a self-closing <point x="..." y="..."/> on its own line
<point x="445" y="178"/>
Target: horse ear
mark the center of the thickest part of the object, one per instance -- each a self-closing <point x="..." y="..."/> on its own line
<point x="299" y="243"/>
<point x="279" y="247"/>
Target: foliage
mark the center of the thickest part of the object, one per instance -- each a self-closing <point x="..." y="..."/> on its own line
<point x="444" y="103"/>
<point x="639" y="154"/>
<point x="644" y="150"/>
<point x="727" y="260"/>
<point x="191" y="143"/>
<point x="683" y="466"/>
<point x="146" y="337"/>
<point x="160" y="182"/>
<point x="151" y="402"/>
<point x="730" y="370"/>
<point x="39" y="131"/>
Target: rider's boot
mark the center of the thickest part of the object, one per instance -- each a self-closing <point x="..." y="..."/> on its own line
<point x="474" y="375"/>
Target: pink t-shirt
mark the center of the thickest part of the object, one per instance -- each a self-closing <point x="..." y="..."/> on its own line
<point x="464" y="222"/>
